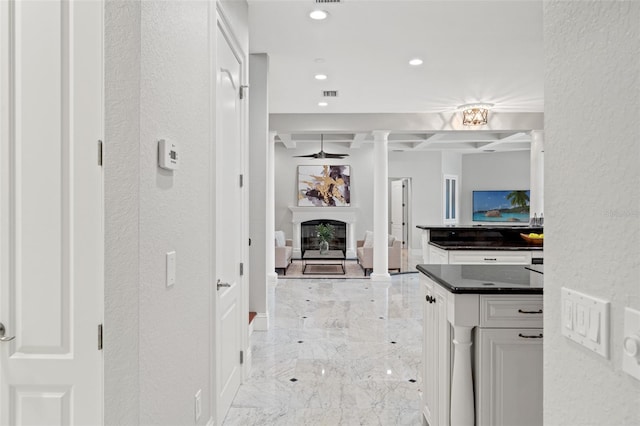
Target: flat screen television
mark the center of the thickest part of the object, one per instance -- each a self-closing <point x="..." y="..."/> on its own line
<point x="501" y="206"/>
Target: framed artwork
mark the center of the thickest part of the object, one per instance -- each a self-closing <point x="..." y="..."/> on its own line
<point x="324" y="186"/>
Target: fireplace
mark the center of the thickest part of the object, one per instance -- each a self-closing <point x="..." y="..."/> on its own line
<point x="345" y="215"/>
<point x="309" y="238"/>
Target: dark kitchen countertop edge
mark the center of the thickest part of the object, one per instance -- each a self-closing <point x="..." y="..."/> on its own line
<point x="462" y="246"/>
<point x="478" y="290"/>
<point x="480" y="227"/>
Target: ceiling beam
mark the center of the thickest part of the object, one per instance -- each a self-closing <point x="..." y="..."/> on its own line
<point x="358" y="138"/>
<point x="287" y="141"/>
<point x="401" y="122"/>
<point x="508" y="138"/>
<point x="428" y="141"/>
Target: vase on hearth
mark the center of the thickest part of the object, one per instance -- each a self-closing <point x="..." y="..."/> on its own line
<point x="324" y="247"/>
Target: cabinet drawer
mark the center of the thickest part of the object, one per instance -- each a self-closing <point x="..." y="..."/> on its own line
<point x="511" y="311"/>
<point x="489" y="257"/>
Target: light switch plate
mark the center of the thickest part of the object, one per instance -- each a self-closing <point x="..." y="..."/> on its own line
<point x="171" y="268"/>
<point x="585" y="320"/>
<point x="631" y="343"/>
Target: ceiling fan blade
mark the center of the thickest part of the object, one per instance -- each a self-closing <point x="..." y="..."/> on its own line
<point x="328" y="155"/>
<point x="307" y="156"/>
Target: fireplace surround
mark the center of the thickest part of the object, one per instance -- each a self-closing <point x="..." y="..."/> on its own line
<point x="309" y="237"/>
<point x="348" y="215"/>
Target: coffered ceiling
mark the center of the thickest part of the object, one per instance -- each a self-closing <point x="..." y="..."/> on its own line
<point x="472" y="51"/>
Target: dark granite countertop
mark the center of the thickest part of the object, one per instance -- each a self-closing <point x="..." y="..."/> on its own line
<point x="483" y="237"/>
<point x="485" y="245"/>
<point x="520" y="228"/>
<point x="487" y="279"/>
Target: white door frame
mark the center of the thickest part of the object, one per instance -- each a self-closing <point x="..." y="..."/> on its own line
<point x="407" y="197"/>
<point x="218" y="19"/>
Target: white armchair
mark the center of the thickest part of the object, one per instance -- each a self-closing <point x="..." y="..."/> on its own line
<point x="365" y="256"/>
<point x="283" y="256"/>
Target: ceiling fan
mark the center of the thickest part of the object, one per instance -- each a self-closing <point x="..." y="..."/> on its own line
<point x="323" y="154"/>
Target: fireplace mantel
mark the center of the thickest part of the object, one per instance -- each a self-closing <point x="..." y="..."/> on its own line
<point x="345" y="214"/>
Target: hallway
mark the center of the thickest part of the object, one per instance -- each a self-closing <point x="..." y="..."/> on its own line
<point x="338" y="352"/>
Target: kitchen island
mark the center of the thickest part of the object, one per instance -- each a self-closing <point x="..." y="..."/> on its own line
<point x="482" y="350"/>
<point x="479" y="244"/>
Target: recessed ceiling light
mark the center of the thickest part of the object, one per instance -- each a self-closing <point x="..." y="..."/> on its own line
<point x="415" y="62"/>
<point x="321" y="76"/>
<point x="322" y="104"/>
<point x="318" y="15"/>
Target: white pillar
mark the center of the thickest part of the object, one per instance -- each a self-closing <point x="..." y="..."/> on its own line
<point x="462" y="401"/>
<point x="270" y="219"/>
<point x="536" y="185"/>
<point x="380" y="207"/>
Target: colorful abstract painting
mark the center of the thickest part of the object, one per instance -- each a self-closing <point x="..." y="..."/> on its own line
<point x="324" y="186"/>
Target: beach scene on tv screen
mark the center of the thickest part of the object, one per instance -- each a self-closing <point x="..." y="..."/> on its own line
<point x="501" y="206"/>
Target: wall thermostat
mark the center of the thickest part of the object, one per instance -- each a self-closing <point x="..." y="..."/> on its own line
<point x="167" y="155"/>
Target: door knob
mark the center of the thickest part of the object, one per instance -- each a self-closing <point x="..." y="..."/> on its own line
<point x="221" y="284"/>
<point x="2" y="338"/>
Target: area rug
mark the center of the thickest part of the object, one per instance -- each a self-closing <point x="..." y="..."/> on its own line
<point x="352" y="269"/>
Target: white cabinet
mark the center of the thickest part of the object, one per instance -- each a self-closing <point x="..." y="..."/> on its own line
<point x="479" y="257"/>
<point x="508" y="377"/>
<point x="438" y="256"/>
<point x="489" y="257"/>
<point x="502" y="384"/>
<point x="436" y="356"/>
<point x="508" y="369"/>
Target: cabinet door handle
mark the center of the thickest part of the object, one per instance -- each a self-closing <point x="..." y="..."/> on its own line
<point x="490" y="258"/>
<point x="539" y="311"/>
<point x="524" y="336"/>
<point x="430" y="299"/>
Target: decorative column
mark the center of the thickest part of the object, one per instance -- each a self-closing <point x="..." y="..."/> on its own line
<point x="380" y="207"/>
<point x="536" y="184"/>
<point x="270" y="226"/>
<point x="462" y="401"/>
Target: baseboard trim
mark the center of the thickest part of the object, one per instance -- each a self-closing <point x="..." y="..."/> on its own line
<point x="380" y="277"/>
<point x="260" y="322"/>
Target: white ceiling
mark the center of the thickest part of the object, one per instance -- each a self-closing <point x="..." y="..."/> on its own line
<point x="473" y="51"/>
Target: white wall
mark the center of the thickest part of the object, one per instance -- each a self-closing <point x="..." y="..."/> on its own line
<point x="451" y="163"/>
<point x="158" y="339"/>
<point x="487" y="171"/>
<point x="121" y="188"/>
<point x="425" y="170"/>
<point x="174" y="211"/>
<point x="286" y="177"/>
<point x="592" y="200"/>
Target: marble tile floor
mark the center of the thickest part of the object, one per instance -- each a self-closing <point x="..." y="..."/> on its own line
<point x="338" y="352"/>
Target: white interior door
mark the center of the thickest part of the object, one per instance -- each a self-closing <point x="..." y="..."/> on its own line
<point x="51" y="237"/>
<point x="228" y="230"/>
<point x="397" y="210"/>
